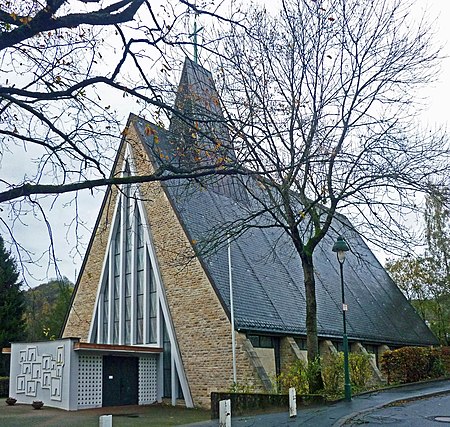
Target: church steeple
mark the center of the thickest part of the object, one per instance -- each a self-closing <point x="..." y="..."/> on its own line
<point x="199" y="123"/>
<point x="199" y="130"/>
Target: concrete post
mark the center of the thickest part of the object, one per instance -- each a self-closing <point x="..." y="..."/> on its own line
<point x="105" y="421"/>
<point x="292" y="403"/>
<point x="225" y="413"/>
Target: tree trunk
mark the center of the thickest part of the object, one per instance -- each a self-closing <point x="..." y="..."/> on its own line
<point x="312" y="342"/>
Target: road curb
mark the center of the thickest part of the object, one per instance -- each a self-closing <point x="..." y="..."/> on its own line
<point x="342" y="421"/>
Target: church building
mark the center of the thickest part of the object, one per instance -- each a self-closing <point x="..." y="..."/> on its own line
<point x="151" y="314"/>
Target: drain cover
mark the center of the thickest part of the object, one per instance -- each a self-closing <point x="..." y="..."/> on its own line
<point x="442" y="419"/>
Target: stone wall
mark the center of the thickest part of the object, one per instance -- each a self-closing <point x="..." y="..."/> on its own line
<point x="290" y="353"/>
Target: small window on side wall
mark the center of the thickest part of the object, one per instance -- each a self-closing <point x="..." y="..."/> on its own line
<point x="261" y="341"/>
<point x="339" y="345"/>
<point x="302" y="344"/>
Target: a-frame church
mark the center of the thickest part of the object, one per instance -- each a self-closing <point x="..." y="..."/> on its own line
<point x="151" y="316"/>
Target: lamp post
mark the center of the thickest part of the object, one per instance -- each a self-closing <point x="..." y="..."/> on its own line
<point x="233" y="332"/>
<point x="341" y="247"/>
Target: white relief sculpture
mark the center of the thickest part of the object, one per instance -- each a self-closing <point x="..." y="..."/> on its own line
<point x="60" y="355"/>
<point x="46" y="379"/>
<point x="20" y="384"/>
<point x="36" y="371"/>
<point x="55" y="391"/>
<point x="46" y="362"/>
<point x="31" y="354"/>
<point x="45" y="371"/>
<point x="31" y="388"/>
<point x="59" y="371"/>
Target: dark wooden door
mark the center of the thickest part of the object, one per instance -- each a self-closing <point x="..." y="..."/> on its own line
<point x="120" y="381"/>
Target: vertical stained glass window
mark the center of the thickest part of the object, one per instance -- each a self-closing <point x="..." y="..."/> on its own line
<point x="116" y="283"/>
<point x="105" y="313"/>
<point x="140" y="278"/>
<point x="167" y="364"/>
<point x="129" y="237"/>
<point x="152" y="305"/>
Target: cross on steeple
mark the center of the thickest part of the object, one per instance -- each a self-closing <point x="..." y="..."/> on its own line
<point x="194" y="36"/>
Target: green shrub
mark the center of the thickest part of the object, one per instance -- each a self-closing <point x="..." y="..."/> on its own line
<point x="445" y="358"/>
<point x="314" y="368"/>
<point x="360" y="370"/>
<point x="411" y="364"/>
<point x="436" y="363"/>
<point x="295" y="376"/>
<point x="333" y="375"/>
<point x="298" y="374"/>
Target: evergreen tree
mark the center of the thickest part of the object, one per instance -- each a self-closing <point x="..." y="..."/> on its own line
<point x="11" y="305"/>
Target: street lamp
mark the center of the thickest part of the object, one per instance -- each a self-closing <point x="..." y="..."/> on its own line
<point x="340" y="247"/>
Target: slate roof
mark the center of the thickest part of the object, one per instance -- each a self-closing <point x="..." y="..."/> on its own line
<point x="269" y="295"/>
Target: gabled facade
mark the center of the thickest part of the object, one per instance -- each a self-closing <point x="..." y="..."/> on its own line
<point x="152" y="318"/>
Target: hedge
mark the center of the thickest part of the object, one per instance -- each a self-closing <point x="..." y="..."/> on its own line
<point x="445" y="356"/>
<point x="411" y="364"/>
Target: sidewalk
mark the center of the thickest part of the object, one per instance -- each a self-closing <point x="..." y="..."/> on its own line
<point x="338" y="413"/>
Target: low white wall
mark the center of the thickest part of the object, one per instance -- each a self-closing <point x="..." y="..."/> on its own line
<point x="44" y="371"/>
<point x="53" y="372"/>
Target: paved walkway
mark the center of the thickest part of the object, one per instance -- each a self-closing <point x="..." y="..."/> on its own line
<point x="338" y="413"/>
<point x="157" y="415"/>
<point x="427" y="411"/>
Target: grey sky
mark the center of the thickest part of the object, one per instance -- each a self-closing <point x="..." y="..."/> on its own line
<point x="33" y="233"/>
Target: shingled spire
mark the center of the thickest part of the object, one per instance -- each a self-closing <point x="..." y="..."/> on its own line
<point x="199" y="126"/>
<point x="199" y="132"/>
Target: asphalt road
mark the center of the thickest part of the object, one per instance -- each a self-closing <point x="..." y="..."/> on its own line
<point x="416" y="413"/>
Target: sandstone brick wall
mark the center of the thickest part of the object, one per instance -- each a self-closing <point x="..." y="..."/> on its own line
<point x="289" y="352"/>
<point x="202" y="328"/>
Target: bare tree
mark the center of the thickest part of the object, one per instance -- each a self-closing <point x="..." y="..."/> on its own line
<point x="425" y="280"/>
<point x="321" y="103"/>
<point x="437" y="217"/>
<point x="65" y="69"/>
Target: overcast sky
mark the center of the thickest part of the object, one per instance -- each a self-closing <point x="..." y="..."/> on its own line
<point x="34" y="234"/>
<point x="438" y="111"/>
